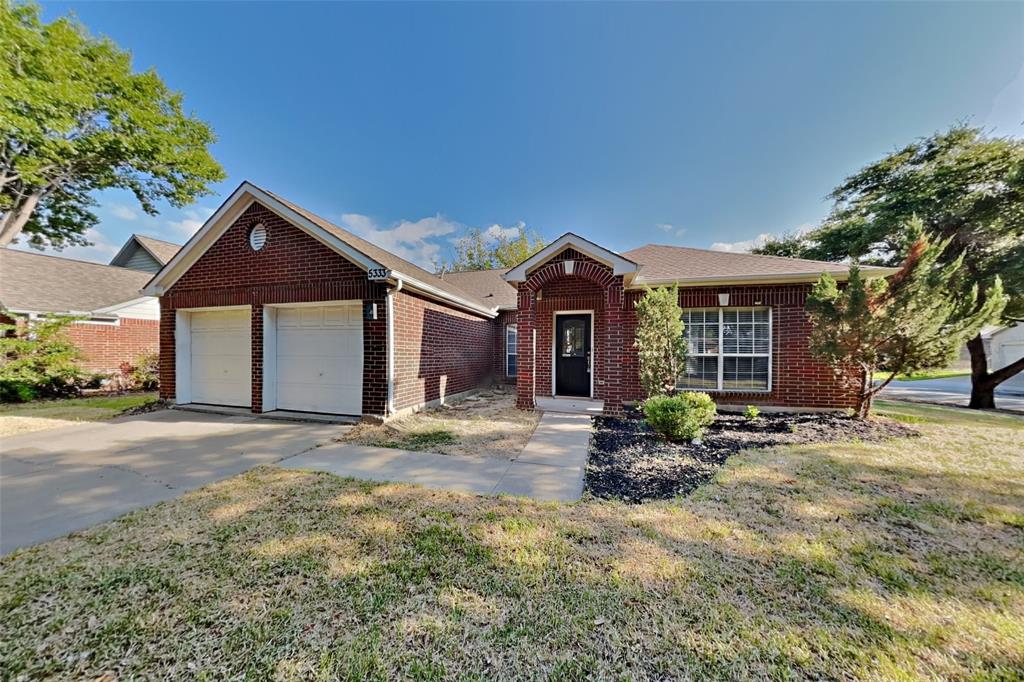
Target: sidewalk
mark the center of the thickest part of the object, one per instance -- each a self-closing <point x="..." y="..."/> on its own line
<point x="550" y="467"/>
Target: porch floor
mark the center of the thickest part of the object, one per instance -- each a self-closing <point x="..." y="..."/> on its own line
<point x="570" y="405"/>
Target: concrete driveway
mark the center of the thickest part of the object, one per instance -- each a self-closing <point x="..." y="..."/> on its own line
<point x="58" y="481"/>
<point x="949" y="391"/>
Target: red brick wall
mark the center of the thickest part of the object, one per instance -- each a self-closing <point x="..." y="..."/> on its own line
<point x="505" y="318"/>
<point x="798" y="380"/>
<point x="106" y="346"/>
<point x="291" y="268"/>
<point x="439" y="351"/>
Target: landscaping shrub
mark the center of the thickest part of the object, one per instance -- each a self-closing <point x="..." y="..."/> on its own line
<point x="680" y="417"/>
<point x="751" y="413"/>
<point x="37" y="361"/>
<point x="660" y="345"/>
<point x="143" y="374"/>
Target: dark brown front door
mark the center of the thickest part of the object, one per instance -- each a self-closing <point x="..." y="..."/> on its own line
<point x="572" y="355"/>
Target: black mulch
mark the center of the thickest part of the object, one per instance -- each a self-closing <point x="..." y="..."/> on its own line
<point x="631" y="462"/>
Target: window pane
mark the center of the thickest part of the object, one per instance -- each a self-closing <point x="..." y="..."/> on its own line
<point x="573" y="332"/>
<point x="746" y="374"/>
<point x="700" y="373"/>
<point x="511" y="369"/>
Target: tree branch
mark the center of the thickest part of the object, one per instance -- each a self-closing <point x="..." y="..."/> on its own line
<point x="1004" y="373"/>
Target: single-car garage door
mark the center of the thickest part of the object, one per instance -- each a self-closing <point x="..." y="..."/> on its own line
<point x="221" y="357"/>
<point x="320" y="359"/>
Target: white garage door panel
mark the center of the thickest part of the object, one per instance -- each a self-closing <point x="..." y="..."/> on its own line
<point x="221" y="358"/>
<point x="320" y="359"/>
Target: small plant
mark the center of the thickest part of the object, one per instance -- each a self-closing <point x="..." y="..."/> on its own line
<point x="660" y="345"/>
<point x="680" y="417"/>
<point x="38" y="361"/>
<point x="751" y="413"/>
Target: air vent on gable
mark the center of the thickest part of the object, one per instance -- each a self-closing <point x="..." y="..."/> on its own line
<point x="257" y="236"/>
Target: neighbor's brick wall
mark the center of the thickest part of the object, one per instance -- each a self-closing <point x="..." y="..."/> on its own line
<point x="798" y="380"/>
<point x="439" y="351"/>
<point x="105" y="346"/>
<point x="504" y="318"/>
<point x="291" y="268"/>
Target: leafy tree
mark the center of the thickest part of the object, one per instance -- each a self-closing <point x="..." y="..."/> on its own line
<point x="968" y="189"/>
<point x="480" y="250"/>
<point x="76" y="119"/>
<point x="660" y="345"/>
<point x="917" y="319"/>
<point x="37" y="360"/>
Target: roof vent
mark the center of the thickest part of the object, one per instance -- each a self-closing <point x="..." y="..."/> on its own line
<point x="257" y="236"/>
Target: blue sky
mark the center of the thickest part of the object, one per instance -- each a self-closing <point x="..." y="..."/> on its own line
<point x="689" y="124"/>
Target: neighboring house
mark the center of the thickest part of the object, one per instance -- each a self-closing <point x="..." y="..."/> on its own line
<point x="145" y="253"/>
<point x="270" y="307"/>
<point x="118" y="323"/>
<point x="1005" y="345"/>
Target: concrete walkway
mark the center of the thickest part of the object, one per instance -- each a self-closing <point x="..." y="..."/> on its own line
<point x="550" y="467"/>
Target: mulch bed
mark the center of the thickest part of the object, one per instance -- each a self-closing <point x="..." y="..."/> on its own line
<point x="629" y="461"/>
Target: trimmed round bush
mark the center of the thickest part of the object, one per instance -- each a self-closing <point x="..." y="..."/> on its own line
<point x="680" y="417"/>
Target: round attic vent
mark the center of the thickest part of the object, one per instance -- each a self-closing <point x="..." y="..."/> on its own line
<point x="257" y="236"/>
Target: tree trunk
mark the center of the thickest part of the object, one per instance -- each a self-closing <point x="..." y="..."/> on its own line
<point x="983" y="396"/>
<point x="15" y="219"/>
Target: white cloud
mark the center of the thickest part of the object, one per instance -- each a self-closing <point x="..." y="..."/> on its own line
<point x="408" y="239"/>
<point x="664" y="227"/>
<point x="744" y="246"/>
<point x="192" y="219"/>
<point x="496" y="232"/>
<point x="123" y="212"/>
<point x="669" y="228"/>
<point x="101" y="250"/>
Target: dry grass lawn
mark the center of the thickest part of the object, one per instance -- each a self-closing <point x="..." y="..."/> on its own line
<point x="39" y="415"/>
<point x="901" y="560"/>
<point x="485" y="426"/>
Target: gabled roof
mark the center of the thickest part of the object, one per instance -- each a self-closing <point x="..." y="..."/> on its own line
<point x="663" y="264"/>
<point x="162" y="251"/>
<point x="36" y="282"/>
<point x="361" y="252"/>
<point x="618" y="264"/>
<point x="488" y="285"/>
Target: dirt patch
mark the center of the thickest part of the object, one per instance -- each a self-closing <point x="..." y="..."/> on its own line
<point x="631" y="462"/>
<point x="486" y="425"/>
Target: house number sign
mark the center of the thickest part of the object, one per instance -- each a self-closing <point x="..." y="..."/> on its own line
<point x="377" y="274"/>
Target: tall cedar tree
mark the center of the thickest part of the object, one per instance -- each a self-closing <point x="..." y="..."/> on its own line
<point x="968" y="190"/>
<point x="76" y="119"/>
<point x="661" y="347"/>
<point x="915" y="320"/>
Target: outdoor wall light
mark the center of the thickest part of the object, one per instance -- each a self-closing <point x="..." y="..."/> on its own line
<point x="723" y="300"/>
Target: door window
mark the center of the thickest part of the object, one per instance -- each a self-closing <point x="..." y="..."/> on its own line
<point x="573" y="332"/>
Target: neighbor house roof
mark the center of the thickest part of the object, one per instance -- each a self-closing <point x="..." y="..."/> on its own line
<point x="665" y="264"/>
<point x="162" y="250"/>
<point x="488" y="285"/>
<point x="36" y="282"/>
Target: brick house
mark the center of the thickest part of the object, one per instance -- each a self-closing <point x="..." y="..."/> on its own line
<point x="270" y="307"/>
<point x="117" y="323"/>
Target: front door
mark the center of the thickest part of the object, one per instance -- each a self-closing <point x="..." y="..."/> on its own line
<point x="572" y="355"/>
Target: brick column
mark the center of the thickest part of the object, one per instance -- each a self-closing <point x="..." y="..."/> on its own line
<point x="168" y="320"/>
<point x="524" y="351"/>
<point x="256" y="361"/>
<point x="615" y="341"/>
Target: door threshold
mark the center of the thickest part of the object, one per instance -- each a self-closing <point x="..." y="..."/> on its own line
<point x="570" y="405"/>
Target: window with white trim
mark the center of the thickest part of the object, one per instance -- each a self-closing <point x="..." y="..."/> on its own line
<point x="511" y="343"/>
<point x="728" y="349"/>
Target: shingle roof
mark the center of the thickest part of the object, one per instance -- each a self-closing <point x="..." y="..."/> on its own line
<point x="486" y="285"/>
<point x="385" y="258"/>
<point x="661" y="262"/>
<point x="162" y="250"/>
<point x="41" y="283"/>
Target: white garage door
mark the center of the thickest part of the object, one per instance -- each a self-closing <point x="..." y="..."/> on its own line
<point x="221" y="357"/>
<point x="320" y="359"/>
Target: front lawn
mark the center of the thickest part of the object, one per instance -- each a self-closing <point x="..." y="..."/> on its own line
<point x="934" y="374"/>
<point x="48" y="414"/>
<point x="902" y="559"/>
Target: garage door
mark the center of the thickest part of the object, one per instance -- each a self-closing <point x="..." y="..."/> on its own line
<point x="320" y="359"/>
<point x="221" y="357"/>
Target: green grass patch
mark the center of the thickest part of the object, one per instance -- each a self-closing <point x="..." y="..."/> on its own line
<point x="920" y="413"/>
<point x="79" y="409"/>
<point x="933" y="374"/>
<point x="421" y="440"/>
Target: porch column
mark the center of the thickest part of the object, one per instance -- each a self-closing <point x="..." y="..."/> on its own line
<point x="614" y="348"/>
<point x="524" y="349"/>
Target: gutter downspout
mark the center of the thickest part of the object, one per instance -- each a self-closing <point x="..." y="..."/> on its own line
<point x="390" y="299"/>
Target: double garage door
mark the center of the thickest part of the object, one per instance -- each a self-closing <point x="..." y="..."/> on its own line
<point x="315" y="361"/>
